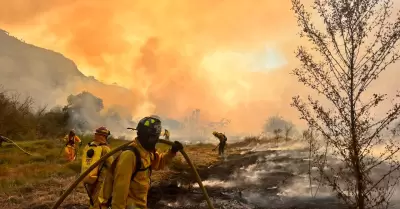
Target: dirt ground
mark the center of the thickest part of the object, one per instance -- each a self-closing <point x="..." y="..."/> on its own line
<point x="256" y="180"/>
<point x="247" y="178"/>
<point x="37" y="181"/>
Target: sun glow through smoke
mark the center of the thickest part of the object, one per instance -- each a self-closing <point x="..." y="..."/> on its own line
<point x="174" y="57"/>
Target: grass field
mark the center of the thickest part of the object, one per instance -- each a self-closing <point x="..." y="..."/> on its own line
<point x="41" y="178"/>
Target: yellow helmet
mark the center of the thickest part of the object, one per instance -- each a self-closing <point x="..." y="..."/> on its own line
<point x="215" y="133"/>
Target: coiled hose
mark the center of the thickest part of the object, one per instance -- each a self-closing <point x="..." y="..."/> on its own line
<point x="82" y="176"/>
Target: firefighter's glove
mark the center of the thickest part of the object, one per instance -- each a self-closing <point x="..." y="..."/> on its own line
<point x="177" y="146"/>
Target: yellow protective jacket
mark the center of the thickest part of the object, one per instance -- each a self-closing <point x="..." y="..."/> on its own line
<point x="70" y="146"/>
<point x="96" y="189"/>
<point x="124" y="192"/>
<point x="71" y="142"/>
<point x="167" y="134"/>
<point x="220" y="136"/>
<point x="100" y="141"/>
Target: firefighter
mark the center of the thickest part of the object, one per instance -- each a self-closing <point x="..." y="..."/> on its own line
<point x="166" y="134"/>
<point x="92" y="152"/>
<point x="222" y="143"/>
<point x="128" y="183"/>
<point x="71" y="141"/>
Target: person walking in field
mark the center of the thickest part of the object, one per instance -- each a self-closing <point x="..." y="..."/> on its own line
<point x="70" y="148"/>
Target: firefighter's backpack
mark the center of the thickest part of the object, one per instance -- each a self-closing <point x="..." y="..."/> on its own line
<point x="91" y="154"/>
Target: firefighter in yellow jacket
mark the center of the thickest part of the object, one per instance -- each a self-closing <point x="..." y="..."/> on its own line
<point x="166" y="134"/>
<point x="92" y="152"/>
<point x="222" y="142"/>
<point x="70" y="145"/>
<point x="128" y="184"/>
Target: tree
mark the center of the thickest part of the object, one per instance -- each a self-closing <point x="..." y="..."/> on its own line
<point x="288" y="131"/>
<point x="277" y="125"/>
<point x="84" y="111"/>
<point x="52" y="123"/>
<point x="357" y="44"/>
<point x="277" y="133"/>
<point x="16" y="118"/>
<point x="85" y="100"/>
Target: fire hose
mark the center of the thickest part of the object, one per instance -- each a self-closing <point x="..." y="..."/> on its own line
<point x="15" y="144"/>
<point x="82" y="176"/>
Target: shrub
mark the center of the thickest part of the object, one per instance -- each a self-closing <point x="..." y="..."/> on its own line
<point x="21" y="122"/>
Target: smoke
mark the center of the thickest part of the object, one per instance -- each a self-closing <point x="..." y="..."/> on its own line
<point x="174" y="57"/>
<point x="86" y="113"/>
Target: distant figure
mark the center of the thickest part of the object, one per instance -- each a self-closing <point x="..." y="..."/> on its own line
<point x="92" y="152"/>
<point x="70" y="145"/>
<point x="222" y="142"/>
<point x="166" y="134"/>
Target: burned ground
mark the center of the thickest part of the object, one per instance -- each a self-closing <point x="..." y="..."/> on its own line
<point x="252" y="176"/>
<point x="261" y="179"/>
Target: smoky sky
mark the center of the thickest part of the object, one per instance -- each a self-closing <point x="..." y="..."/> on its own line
<point x="174" y="56"/>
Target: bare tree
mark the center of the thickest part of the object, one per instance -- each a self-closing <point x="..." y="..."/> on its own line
<point x="359" y="41"/>
<point x="277" y="133"/>
<point x="310" y="138"/>
<point x="288" y="131"/>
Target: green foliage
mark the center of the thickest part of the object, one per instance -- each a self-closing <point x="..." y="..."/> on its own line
<point x="21" y="122"/>
<point x="53" y="123"/>
<point x="17" y="118"/>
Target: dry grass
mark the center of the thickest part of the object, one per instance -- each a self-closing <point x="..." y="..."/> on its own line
<point x="29" y="181"/>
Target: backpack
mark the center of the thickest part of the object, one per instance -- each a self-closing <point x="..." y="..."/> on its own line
<point x="91" y="154"/>
<point x="137" y="167"/>
<point x="224" y="137"/>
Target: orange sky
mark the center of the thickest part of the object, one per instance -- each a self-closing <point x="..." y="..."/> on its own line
<point x="174" y="55"/>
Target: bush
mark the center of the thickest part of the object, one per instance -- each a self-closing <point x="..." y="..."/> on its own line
<point x="53" y="123"/>
<point x="17" y="118"/>
<point x="20" y="122"/>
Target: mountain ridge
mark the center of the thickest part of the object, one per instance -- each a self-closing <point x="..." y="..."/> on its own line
<point x="43" y="74"/>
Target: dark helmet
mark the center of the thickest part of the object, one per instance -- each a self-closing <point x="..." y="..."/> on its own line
<point x="72" y="132"/>
<point x="149" y="131"/>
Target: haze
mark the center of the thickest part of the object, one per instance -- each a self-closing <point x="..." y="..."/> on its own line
<point x="227" y="58"/>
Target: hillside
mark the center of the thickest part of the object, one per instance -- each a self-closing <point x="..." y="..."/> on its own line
<point x="45" y="75"/>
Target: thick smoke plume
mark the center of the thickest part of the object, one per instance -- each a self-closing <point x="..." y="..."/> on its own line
<point x="175" y="57"/>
